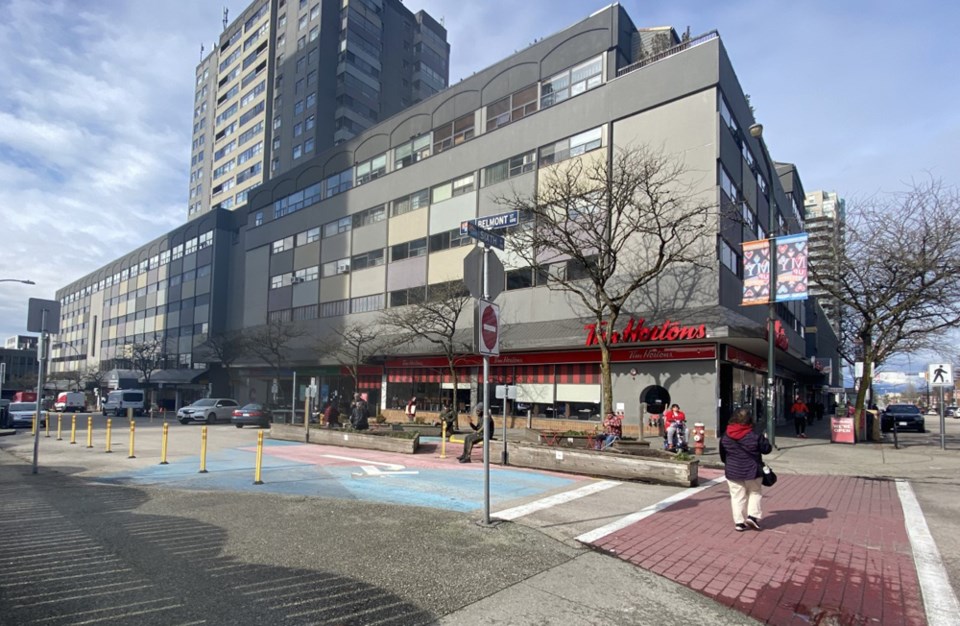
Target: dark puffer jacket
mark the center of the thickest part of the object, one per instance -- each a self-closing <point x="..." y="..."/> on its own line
<point x="741" y="456"/>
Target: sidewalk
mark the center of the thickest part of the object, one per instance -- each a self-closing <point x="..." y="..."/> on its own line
<point x="836" y="546"/>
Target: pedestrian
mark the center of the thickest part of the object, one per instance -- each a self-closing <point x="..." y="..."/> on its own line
<point x="612" y="428"/>
<point x="483" y="417"/>
<point x="740" y="450"/>
<point x="412" y="409"/>
<point x="674" y="420"/>
<point x="331" y="413"/>
<point x="449" y="416"/>
<point x="799" y="411"/>
<point x="359" y="413"/>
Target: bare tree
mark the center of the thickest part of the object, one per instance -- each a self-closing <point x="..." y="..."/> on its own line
<point x="896" y="275"/>
<point x="145" y="357"/>
<point x="94" y="376"/>
<point x="602" y="231"/>
<point x="434" y="321"/>
<point x="224" y="348"/>
<point x="353" y="346"/>
<point x="272" y="343"/>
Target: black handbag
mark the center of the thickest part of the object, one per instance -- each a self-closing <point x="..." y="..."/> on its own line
<point x="768" y="477"/>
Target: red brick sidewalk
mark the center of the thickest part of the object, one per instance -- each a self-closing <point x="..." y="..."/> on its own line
<point x="833" y="550"/>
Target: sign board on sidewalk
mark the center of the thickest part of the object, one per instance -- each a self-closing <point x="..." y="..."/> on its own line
<point x="841" y="430"/>
<point x="473" y="274"/>
<point x="493" y="222"/>
<point x="940" y="375"/>
<point x="487" y="325"/>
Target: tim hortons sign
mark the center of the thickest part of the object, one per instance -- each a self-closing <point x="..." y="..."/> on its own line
<point x="637" y="331"/>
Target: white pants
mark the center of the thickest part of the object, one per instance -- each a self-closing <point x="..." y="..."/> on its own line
<point x="745" y="498"/>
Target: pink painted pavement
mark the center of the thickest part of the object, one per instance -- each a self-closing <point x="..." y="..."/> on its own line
<point x="833" y="550"/>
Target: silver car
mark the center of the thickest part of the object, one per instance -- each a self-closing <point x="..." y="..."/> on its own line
<point x="208" y="410"/>
<point x="21" y="414"/>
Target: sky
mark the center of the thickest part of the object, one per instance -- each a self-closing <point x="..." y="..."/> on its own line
<point x="96" y="102"/>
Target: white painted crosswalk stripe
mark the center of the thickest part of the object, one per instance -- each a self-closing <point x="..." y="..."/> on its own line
<point x="554" y="500"/>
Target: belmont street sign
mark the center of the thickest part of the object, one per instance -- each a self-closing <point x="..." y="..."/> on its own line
<point x="635" y="331"/>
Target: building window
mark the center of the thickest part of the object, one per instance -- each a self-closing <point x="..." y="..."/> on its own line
<point x="365" y="304"/>
<point x="571" y="147"/>
<point x="370" y="216"/>
<point x="305" y="275"/>
<point x="334" y="268"/>
<point x="512" y="108"/>
<point x="572" y="82"/>
<point x="728" y="186"/>
<point x="281" y="244"/>
<point x="454" y="133"/>
<point x="276" y="281"/>
<point x="448" y="239"/>
<point x="297" y="151"/>
<point x="308" y="312"/>
<point x="308" y="145"/>
<point x="730" y="258"/>
<point x="409" y="249"/>
<point x="335" y="309"/>
<point x="308" y="236"/>
<point x="414" y="201"/>
<point x="411" y="152"/>
<point x="338" y="183"/>
<point x="310" y="122"/>
<point x="337" y="227"/>
<point x="371" y="169"/>
<point x="514" y="166"/>
<point x="367" y="259"/>
<point x="464" y="184"/>
<point x="403" y="297"/>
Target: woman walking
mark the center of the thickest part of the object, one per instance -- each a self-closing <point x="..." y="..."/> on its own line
<point x="740" y="450"/>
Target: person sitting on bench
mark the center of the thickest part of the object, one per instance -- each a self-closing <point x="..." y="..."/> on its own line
<point x="477" y="435"/>
<point x="613" y="430"/>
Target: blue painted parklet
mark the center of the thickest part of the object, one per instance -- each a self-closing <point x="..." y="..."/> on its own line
<point x="459" y="488"/>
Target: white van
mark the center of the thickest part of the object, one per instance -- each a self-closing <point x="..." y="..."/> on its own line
<point x="119" y="401"/>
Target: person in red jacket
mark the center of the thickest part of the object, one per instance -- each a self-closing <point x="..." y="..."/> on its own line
<point x="672" y="420"/>
<point x="799" y="411"/>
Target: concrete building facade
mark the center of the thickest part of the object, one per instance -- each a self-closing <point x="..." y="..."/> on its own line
<point x="290" y="78"/>
<point x="825" y="222"/>
<point x="374" y="223"/>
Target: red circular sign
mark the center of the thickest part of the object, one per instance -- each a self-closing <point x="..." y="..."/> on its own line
<point x="489" y="327"/>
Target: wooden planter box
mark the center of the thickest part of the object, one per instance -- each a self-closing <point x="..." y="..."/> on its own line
<point x="425" y="430"/>
<point x="346" y="439"/>
<point x="649" y="466"/>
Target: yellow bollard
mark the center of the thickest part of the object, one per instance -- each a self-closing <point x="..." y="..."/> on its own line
<point x="163" y="444"/>
<point x="259" y="465"/>
<point x="59" y="426"/>
<point x="36" y="418"/>
<point x="73" y="429"/>
<point x="133" y="427"/>
<point x="109" y="430"/>
<point x="203" y="449"/>
<point x="89" y="431"/>
<point x="443" y="440"/>
<point x="46" y="424"/>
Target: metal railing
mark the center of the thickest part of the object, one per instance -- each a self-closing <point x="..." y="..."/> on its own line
<point x="685" y="45"/>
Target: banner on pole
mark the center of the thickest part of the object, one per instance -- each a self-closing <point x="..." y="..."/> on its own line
<point x="756" y="272"/>
<point x="792" y="267"/>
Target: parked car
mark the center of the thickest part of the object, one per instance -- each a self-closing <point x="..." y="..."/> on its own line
<point x="252" y="415"/>
<point x="952" y="411"/>
<point x="905" y="416"/>
<point x="208" y="410"/>
<point x="21" y="414"/>
<point x="119" y="401"/>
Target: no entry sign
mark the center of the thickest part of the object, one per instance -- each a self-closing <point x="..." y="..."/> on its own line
<point x="488" y="328"/>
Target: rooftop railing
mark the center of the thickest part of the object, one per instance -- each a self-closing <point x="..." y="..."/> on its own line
<point x="669" y="52"/>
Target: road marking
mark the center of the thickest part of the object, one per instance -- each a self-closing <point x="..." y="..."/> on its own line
<point x="389" y="466"/>
<point x="939" y="600"/>
<point x="554" y="500"/>
<point x="623" y="522"/>
<point x="369" y="470"/>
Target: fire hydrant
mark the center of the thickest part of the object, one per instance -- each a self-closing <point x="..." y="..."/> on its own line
<point x="698" y="438"/>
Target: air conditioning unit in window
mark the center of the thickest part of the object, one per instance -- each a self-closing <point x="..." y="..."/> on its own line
<point x="296" y="280"/>
<point x="343" y="270"/>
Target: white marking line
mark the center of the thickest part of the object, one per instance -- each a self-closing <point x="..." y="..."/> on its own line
<point x="623" y="522"/>
<point x="554" y="500"/>
<point x="939" y="600"/>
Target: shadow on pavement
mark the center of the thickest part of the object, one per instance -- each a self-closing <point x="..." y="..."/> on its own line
<point x="784" y="517"/>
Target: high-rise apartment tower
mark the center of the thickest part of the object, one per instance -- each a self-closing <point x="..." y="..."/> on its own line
<point x="825" y="219"/>
<point x="290" y="78"/>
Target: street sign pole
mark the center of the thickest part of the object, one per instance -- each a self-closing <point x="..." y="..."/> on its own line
<point x="486" y="403"/>
<point x="943" y="422"/>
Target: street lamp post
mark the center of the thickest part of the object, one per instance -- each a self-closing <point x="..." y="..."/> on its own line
<point x="756" y="131"/>
<point x="17" y="280"/>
